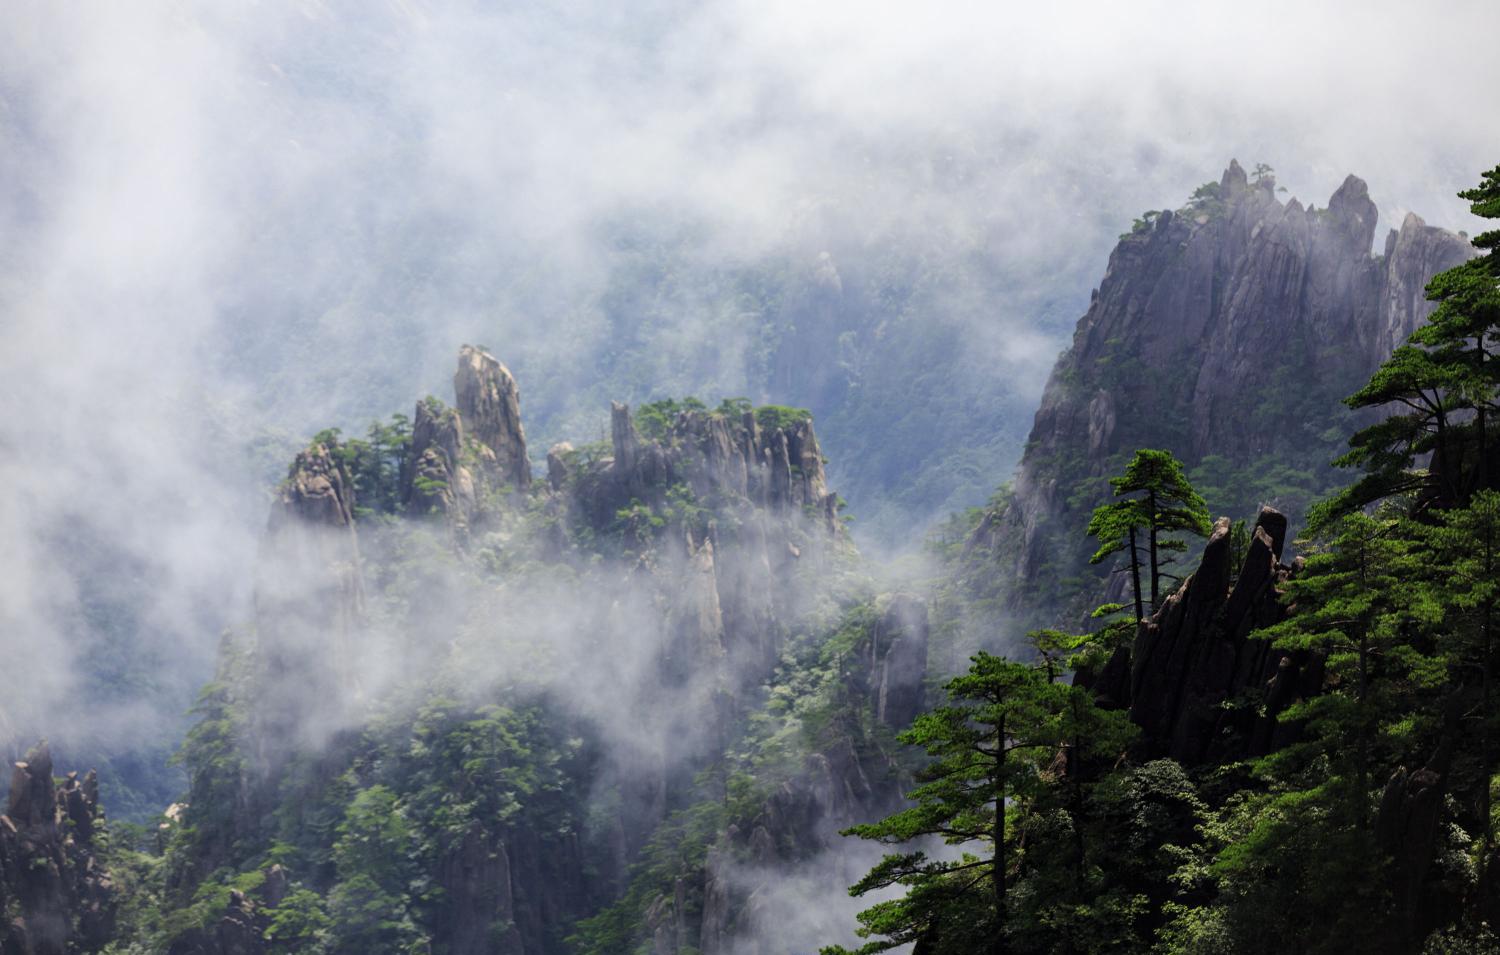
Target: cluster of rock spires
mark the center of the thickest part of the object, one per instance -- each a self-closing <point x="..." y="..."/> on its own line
<point x="467" y="464"/>
<point x="1196" y="654"/>
<point x="461" y="457"/>
<point x="1206" y="693"/>
<point x="727" y="580"/>
<point x="55" y="896"/>
<point x="1231" y="327"/>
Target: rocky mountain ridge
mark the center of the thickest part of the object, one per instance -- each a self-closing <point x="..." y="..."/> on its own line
<point x="693" y="546"/>
<point x="1228" y="332"/>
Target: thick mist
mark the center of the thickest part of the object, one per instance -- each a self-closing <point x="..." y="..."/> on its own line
<point x="225" y="226"/>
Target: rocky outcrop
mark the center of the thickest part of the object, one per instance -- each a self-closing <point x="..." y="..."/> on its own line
<point x="462" y="459"/>
<point x="722" y="457"/>
<point x="740" y="891"/>
<point x="1196" y="654"/>
<point x="898" y="662"/>
<point x="55" y="896"/>
<point x="309" y="606"/>
<point x="434" y="479"/>
<point x="1234" y="327"/>
<point x="731" y="518"/>
<point x="490" y="404"/>
<point x="1408" y="829"/>
<point x="480" y="907"/>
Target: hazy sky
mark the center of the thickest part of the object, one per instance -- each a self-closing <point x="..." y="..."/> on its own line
<point x="218" y="215"/>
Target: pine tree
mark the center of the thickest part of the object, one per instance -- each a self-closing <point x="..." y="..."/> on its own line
<point x="1357" y="602"/>
<point x="1163" y="502"/>
<point x="1445" y="382"/>
<point x="1117" y="525"/>
<point x="1463" y="554"/>
<point x="990" y="746"/>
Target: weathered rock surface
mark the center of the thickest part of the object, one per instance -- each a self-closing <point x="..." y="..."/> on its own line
<point x="490" y="404"/>
<point x="1231" y="327"/>
<point x="1196" y="654"/>
<point x="721" y="458"/>
<point x="309" y="605"/>
<point x="55" y="896"/>
<point x="759" y="522"/>
<point x="847" y="781"/>
<point x="433" y="476"/>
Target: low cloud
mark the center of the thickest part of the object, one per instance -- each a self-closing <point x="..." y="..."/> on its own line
<point x="223" y="223"/>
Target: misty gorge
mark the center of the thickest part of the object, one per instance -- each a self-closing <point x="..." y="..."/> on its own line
<point x="713" y="478"/>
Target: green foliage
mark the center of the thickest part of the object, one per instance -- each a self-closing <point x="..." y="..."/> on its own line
<point x="991" y="750"/>
<point x="655" y="419"/>
<point x="1136" y="525"/>
<point x="299" y="925"/>
<point x="373" y="464"/>
<point x="781" y="418"/>
<point x="1437" y="446"/>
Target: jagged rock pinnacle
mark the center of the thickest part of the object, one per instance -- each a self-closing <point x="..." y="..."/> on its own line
<point x="490" y="404"/>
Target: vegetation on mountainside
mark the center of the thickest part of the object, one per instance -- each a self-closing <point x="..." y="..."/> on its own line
<point x="1371" y="827"/>
<point x="991" y="749"/>
<point x="1042" y="826"/>
<point x="1166" y="503"/>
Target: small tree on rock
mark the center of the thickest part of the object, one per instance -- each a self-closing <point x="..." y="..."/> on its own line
<point x="1156" y="499"/>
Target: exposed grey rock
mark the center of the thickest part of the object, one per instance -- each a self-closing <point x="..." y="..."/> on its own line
<point x="1195" y="654"/>
<point x="433" y="476"/>
<point x="1202" y="327"/>
<point x="557" y="465"/>
<point x="55" y="896"/>
<point x="490" y="404"/>
<point x="899" y="666"/>
<point x="309" y="606"/>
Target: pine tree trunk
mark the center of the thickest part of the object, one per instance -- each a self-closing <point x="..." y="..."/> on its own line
<point x="1486" y="757"/>
<point x="1135" y="576"/>
<point x="1481" y="473"/>
<point x="1155" y="567"/>
<point x="997" y="942"/>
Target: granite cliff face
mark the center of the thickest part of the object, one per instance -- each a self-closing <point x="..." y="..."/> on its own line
<point x="1231" y="328"/>
<point x="1196" y="655"/>
<point x="694" y="545"/>
<point x="490" y="403"/>
<point x="309" y="606"/>
<point x="55" y="896"/>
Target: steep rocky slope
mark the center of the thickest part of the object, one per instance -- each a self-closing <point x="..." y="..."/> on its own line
<point x="1228" y="332"/>
<point x="489" y="707"/>
<point x="55" y="895"/>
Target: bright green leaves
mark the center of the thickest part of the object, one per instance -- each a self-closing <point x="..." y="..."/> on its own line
<point x="1441" y="388"/>
<point x="997" y="753"/>
<point x="1155" y="499"/>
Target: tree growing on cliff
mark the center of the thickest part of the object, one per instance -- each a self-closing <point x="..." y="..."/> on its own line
<point x="1118" y="526"/>
<point x="1358" y="604"/>
<point x="1444" y="384"/>
<point x="1156" y="499"/>
<point x="1462" y="554"/>
<point x="992" y="748"/>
